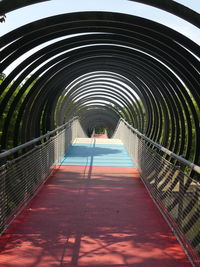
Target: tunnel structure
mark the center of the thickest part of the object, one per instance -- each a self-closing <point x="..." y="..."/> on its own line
<point x="93" y="63"/>
<point x="102" y="66"/>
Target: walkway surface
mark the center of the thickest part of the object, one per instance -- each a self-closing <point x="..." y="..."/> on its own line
<point x="93" y="212"/>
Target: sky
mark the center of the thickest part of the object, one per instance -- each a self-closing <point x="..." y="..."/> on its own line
<point x="34" y="12"/>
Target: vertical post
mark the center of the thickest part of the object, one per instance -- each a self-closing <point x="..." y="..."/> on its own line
<point x="3" y="199"/>
<point x="181" y="196"/>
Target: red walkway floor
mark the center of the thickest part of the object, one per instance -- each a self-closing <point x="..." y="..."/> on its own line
<point x="100" y="136"/>
<point x="92" y="217"/>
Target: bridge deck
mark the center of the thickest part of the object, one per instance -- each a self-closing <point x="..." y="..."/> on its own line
<point x="94" y="211"/>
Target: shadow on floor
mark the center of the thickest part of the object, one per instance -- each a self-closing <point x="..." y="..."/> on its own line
<point x="94" y="218"/>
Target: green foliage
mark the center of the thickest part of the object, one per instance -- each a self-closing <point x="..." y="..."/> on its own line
<point x="100" y="130"/>
<point x="8" y="105"/>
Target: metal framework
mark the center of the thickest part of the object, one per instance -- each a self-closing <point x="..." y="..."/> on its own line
<point x="102" y="66"/>
<point x="94" y="62"/>
<point x="22" y="177"/>
<point x="175" y="192"/>
<point x="167" y="5"/>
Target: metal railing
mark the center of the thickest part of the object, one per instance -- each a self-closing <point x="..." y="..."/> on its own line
<point x="176" y="194"/>
<point x="22" y="177"/>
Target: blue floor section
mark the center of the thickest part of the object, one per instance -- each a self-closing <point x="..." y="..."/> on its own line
<point x="98" y="155"/>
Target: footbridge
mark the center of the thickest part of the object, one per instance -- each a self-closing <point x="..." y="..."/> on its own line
<point x="99" y="140"/>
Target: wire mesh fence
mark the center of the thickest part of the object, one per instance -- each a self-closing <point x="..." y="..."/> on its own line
<point x="176" y="194"/>
<point x="21" y="177"/>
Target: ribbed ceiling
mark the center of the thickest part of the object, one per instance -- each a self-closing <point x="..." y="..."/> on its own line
<point x="100" y="66"/>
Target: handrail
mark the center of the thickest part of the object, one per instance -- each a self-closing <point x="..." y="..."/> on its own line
<point x="34" y="141"/>
<point x="193" y="166"/>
